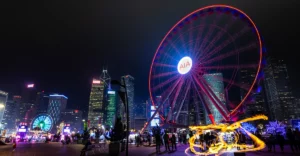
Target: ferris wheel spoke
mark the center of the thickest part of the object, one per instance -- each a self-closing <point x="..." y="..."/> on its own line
<point x="231" y="82"/>
<point x="222" y="46"/>
<point x="210" y="91"/>
<point x="199" y="38"/>
<point x="204" y="103"/>
<point x="175" y="48"/>
<point x="171" y="57"/>
<point x="165" y="82"/>
<point x="229" y="54"/>
<point x="205" y="91"/>
<point x="164" y="74"/>
<point x="242" y="66"/>
<point x="164" y="101"/>
<point x="221" y="33"/>
<point x="183" y="100"/>
<point x="208" y="34"/>
<point x="175" y="99"/>
<point x="163" y="65"/>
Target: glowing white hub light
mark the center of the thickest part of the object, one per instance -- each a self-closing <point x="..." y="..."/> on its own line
<point x="184" y="65"/>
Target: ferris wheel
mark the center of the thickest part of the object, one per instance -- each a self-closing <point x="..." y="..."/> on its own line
<point x="205" y="67"/>
<point x="43" y="121"/>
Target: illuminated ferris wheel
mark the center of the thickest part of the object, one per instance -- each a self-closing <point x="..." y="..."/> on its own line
<point x="43" y="121"/>
<point x="196" y="72"/>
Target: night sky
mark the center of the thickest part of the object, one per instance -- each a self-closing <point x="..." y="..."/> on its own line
<point x="60" y="46"/>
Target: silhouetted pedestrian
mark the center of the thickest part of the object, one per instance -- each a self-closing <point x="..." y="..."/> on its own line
<point x="173" y="141"/>
<point x="166" y="140"/>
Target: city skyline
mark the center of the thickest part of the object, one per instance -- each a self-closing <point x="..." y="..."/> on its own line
<point x="60" y="76"/>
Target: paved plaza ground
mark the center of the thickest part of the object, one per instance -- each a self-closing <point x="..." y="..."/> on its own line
<point x="56" y="149"/>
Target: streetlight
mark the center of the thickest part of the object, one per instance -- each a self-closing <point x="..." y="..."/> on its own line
<point x="2" y="105"/>
<point x="83" y="120"/>
<point x="121" y="94"/>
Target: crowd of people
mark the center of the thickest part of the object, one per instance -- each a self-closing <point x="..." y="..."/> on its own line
<point x="292" y="138"/>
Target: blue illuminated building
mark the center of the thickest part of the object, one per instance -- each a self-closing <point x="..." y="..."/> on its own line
<point x="57" y="104"/>
<point x="217" y="86"/>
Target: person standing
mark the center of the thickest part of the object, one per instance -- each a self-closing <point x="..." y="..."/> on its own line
<point x="291" y="138"/>
<point x="173" y="141"/>
<point x="158" y="142"/>
<point x="149" y="139"/>
<point x="166" y="140"/>
<point x="14" y="145"/>
<point x="280" y="140"/>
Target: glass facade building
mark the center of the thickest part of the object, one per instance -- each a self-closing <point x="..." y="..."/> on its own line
<point x="57" y="104"/>
<point x="217" y="86"/>
<point x="3" y="100"/>
<point x="257" y="105"/>
<point x="110" y="110"/>
<point x="95" y="114"/>
<point x="128" y="80"/>
<point x="278" y="90"/>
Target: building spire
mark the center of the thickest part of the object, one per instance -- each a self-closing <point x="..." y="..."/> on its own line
<point x="105" y="77"/>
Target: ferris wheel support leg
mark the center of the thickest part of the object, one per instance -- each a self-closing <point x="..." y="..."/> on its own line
<point x="212" y="119"/>
<point x="160" y="105"/>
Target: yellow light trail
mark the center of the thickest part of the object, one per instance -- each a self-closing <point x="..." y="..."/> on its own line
<point x="222" y="147"/>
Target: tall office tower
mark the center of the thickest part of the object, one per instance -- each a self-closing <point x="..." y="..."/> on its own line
<point x="3" y="100"/>
<point x="72" y="117"/>
<point x="28" y="103"/>
<point x="9" y="117"/>
<point x="297" y="104"/>
<point x="19" y="109"/>
<point x="105" y="78"/>
<point x="140" y="110"/>
<point x="279" y="94"/>
<point x="42" y="101"/>
<point x="128" y="80"/>
<point x="95" y="114"/>
<point x="57" y="104"/>
<point x="217" y="86"/>
<point x="110" y="109"/>
<point x="257" y="105"/>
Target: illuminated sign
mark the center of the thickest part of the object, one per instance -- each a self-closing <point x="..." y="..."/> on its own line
<point x="30" y="85"/>
<point x="67" y="129"/>
<point x="184" y="65"/>
<point x="96" y="81"/>
<point x="22" y="128"/>
<point x="111" y="92"/>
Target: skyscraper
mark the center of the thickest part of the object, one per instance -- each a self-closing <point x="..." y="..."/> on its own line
<point x="110" y="109"/>
<point x="257" y="105"/>
<point x="95" y="114"/>
<point x="278" y="90"/>
<point x="217" y="86"/>
<point x="128" y="80"/>
<point x="57" y="104"/>
<point x="10" y="113"/>
<point x="28" y="103"/>
<point x="42" y="101"/>
<point x="3" y="100"/>
<point x="20" y="110"/>
<point x="72" y="117"/>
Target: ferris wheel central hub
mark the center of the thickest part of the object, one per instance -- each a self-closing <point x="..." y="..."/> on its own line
<point x="184" y="65"/>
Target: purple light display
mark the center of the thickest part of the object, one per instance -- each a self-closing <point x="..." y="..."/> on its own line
<point x="275" y="127"/>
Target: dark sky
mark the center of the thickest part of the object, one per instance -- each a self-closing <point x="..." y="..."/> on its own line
<point x="61" y="45"/>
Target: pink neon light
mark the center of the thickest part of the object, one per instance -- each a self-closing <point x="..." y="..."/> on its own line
<point x="30" y="85"/>
<point x="96" y="81"/>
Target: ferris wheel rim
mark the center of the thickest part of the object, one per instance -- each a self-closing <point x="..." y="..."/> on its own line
<point x="257" y="35"/>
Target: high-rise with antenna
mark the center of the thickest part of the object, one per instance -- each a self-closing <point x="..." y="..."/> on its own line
<point x="105" y="78"/>
<point x="98" y="100"/>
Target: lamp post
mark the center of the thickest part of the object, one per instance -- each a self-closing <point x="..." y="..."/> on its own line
<point x="126" y="108"/>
